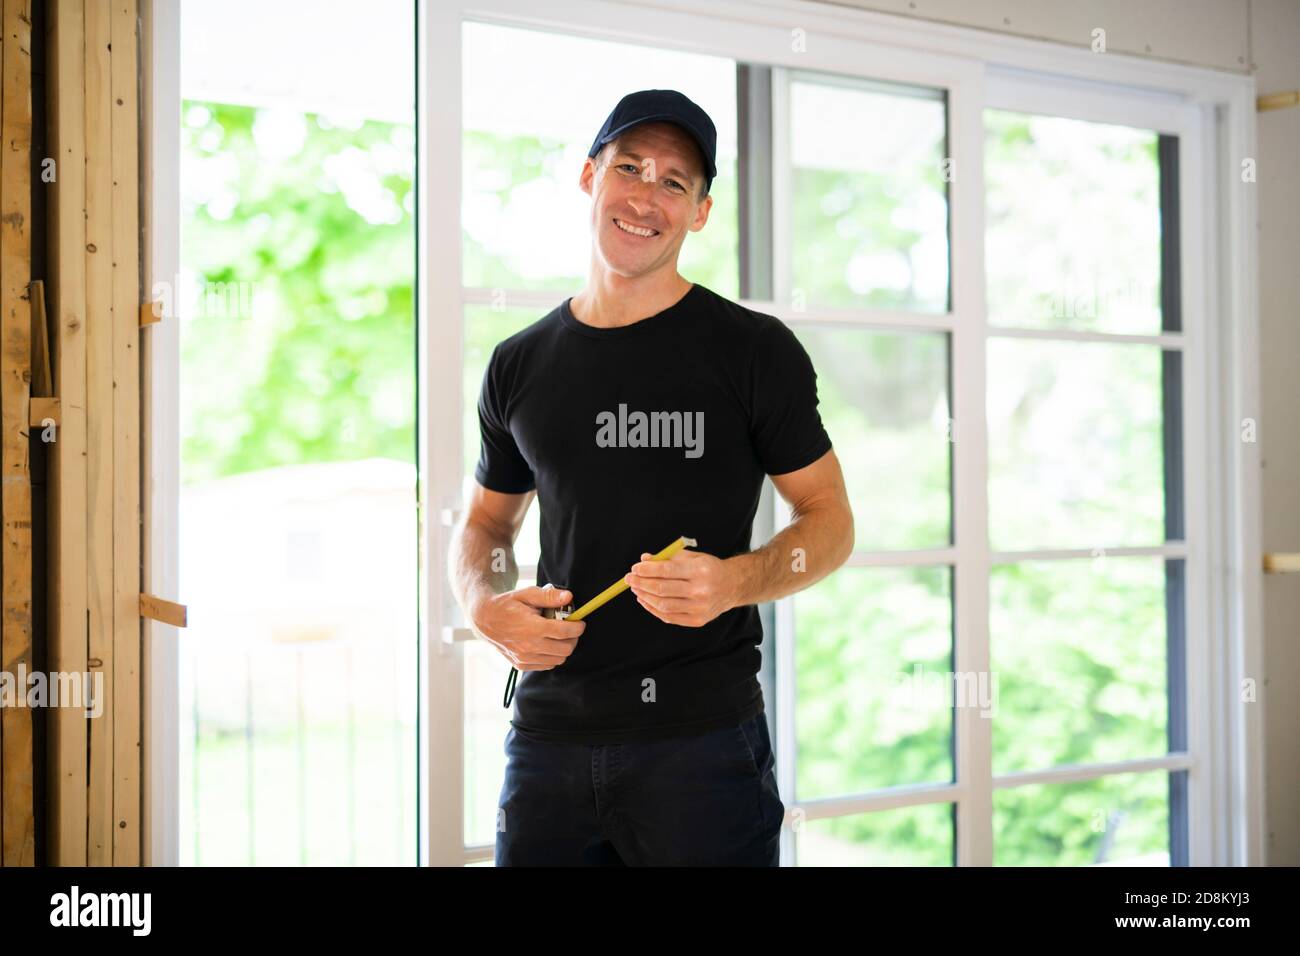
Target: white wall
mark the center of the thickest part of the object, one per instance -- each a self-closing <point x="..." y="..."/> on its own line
<point x="1240" y="36"/>
<point x="1214" y="33"/>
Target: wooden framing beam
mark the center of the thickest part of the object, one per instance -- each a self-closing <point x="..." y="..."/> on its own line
<point x="18" y="834"/>
<point x="94" y="292"/>
<point x="98" y="258"/>
<point x="67" y="779"/>
<point x="125" y="364"/>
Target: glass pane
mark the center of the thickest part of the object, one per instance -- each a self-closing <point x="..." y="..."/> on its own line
<point x="298" y="535"/>
<point x="873" y="663"/>
<point x="485" y="326"/>
<point x="869" y="198"/>
<point x="1075" y="445"/>
<point x="1120" y="820"/>
<point x="1072" y="224"/>
<point x="906" y="836"/>
<point x="884" y="401"/>
<point x="526" y="222"/>
<point x="1079" y="649"/>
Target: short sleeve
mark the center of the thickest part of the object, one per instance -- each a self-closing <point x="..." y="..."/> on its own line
<point x="785" y="426"/>
<point x="501" y="466"/>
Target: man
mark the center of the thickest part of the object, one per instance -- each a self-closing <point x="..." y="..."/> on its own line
<point x="642" y="409"/>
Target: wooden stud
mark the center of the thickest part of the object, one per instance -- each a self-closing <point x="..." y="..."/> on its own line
<point x="67" y="779"/>
<point x="16" y="792"/>
<point x="95" y="777"/>
<point x="99" y="419"/>
<point x="127" y="627"/>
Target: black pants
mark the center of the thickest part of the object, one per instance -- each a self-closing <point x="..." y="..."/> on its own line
<point x="704" y="800"/>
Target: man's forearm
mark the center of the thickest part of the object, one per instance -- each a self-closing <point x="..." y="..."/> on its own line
<point x="481" y="564"/>
<point x="805" y="551"/>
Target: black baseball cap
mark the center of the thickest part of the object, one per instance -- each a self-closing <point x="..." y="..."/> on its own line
<point x="662" y="106"/>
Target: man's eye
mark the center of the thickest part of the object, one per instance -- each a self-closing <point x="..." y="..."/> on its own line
<point x="677" y="187"/>
<point x="627" y="166"/>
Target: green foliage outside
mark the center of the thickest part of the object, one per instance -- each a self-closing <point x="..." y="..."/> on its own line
<point x="323" y="368"/>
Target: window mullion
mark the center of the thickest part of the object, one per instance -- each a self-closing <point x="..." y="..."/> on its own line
<point x="973" y="734"/>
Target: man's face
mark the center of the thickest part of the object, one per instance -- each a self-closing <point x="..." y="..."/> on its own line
<point x="645" y="198"/>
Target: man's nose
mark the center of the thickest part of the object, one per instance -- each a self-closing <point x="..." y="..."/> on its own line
<point x="642" y="196"/>
<point x="639" y="203"/>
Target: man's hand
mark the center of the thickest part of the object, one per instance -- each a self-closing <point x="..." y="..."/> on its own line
<point x="512" y="622"/>
<point x="689" y="589"/>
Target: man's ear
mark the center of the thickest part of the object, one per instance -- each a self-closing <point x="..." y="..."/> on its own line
<point x="587" y="177"/>
<point x="701" y="214"/>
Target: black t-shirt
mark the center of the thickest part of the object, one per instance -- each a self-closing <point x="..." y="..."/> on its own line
<point x="570" y="409"/>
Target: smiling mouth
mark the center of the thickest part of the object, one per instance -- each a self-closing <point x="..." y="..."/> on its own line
<point x="631" y="230"/>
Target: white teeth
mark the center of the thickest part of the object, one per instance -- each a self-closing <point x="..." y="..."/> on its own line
<point x="635" y="230"/>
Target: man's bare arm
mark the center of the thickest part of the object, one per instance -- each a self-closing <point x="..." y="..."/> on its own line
<point x="818" y="539"/>
<point x="483" y="573"/>
<point x="483" y="542"/>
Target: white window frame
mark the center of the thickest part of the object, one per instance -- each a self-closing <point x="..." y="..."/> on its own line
<point x="160" y="141"/>
<point x="1214" y="111"/>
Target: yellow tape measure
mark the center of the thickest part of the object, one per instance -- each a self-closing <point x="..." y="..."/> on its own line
<point x="604" y="597"/>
